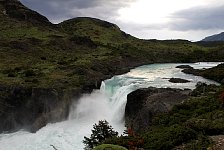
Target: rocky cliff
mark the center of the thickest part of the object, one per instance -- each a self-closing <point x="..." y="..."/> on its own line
<point x="143" y="104"/>
<point x="33" y="108"/>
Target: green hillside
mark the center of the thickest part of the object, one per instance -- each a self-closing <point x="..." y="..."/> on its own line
<point x="78" y="52"/>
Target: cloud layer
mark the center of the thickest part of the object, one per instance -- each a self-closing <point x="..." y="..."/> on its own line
<point x="189" y="23"/>
<point x="198" y="18"/>
<point x="58" y="10"/>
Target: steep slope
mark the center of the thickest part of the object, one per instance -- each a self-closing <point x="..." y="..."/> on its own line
<point x="216" y="37"/>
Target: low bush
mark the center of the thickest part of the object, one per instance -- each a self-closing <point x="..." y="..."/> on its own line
<point x="109" y="147"/>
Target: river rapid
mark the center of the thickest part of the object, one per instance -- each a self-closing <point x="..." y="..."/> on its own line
<point x="106" y="103"/>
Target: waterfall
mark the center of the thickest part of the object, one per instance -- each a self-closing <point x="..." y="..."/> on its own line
<point x="107" y="103"/>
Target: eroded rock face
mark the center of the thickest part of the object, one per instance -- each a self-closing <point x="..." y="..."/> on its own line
<point x="33" y="108"/>
<point x="143" y="104"/>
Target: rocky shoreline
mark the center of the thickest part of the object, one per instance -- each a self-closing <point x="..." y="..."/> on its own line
<point x="215" y="73"/>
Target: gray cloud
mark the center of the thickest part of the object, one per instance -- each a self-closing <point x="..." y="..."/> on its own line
<point x="58" y="10"/>
<point x="198" y="18"/>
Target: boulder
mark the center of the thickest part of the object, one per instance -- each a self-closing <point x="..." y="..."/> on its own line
<point x="195" y="72"/>
<point x="143" y="104"/>
<point x="178" y="80"/>
<point x="184" y="67"/>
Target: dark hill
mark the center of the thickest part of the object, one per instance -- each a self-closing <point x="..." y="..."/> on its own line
<point x="96" y="29"/>
<point x="15" y="9"/>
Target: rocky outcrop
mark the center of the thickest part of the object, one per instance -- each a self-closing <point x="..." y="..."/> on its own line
<point x="193" y="71"/>
<point x="15" y="9"/>
<point x="218" y="142"/>
<point x="33" y="108"/>
<point x="178" y="80"/>
<point x="184" y="67"/>
<point x="215" y="73"/>
<point x="143" y="104"/>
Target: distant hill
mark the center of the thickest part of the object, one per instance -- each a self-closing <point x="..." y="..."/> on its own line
<point x="216" y="37"/>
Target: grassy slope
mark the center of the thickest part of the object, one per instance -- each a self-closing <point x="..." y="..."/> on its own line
<point x="77" y="52"/>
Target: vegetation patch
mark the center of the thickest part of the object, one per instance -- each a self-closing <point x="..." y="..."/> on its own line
<point x="109" y="147"/>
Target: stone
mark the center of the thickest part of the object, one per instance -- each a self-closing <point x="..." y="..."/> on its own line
<point x="178" y="80"/>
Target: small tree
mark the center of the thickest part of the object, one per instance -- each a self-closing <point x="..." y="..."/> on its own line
<point x="100" y="133"/>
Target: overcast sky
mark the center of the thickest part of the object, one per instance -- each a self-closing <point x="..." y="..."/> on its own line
<point x="147" y="19"/>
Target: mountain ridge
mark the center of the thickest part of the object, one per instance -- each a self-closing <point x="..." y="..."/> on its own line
<point x="215" y="37"/>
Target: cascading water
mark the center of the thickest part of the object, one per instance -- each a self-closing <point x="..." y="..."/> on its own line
<point x="107" y="103"/>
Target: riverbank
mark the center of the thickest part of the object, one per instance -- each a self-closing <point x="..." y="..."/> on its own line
<point x="215" y="73"/>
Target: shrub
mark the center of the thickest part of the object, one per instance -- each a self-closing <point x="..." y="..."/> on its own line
<point x="29" y="73"/>
<point x="100" y="133"/>
<point x="168" y="138"/>
<point x="126" y="141"/>
<point x="200" y="144"/>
